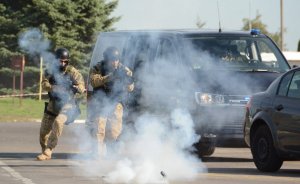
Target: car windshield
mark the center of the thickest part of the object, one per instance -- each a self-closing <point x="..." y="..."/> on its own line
<point x="234" y="53"/>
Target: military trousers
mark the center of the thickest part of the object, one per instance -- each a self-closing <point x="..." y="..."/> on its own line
<point x="52" y="126"/>
<point x="109" y="127"/>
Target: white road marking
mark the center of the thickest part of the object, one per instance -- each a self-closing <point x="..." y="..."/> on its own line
<point x="79" y="121"/>
<point x="15" y="174"/>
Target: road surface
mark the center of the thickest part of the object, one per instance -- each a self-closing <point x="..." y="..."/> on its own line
<point x="19" y="147"/>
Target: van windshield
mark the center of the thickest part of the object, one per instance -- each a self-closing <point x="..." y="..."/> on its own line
<point x="234" y="53"/>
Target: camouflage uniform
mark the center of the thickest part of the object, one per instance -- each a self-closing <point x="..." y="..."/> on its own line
<point x="109" y="92"/>
<point x="64" y="88"/>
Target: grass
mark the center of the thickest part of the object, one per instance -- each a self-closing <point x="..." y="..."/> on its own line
<point x="29" y="110"/>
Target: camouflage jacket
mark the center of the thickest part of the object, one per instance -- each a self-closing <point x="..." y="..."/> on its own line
<point x="65" y="86"/>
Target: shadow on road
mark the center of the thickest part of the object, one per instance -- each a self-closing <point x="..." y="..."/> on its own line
<point x="225" y="159"/>
<point x="11" y="155"/>
<point x="253" y="171"/>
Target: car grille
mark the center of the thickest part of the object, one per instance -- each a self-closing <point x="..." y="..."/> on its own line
<point x="225" y="121"/>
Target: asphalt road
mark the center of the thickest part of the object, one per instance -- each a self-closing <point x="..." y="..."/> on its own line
<point x="19" y="146"/>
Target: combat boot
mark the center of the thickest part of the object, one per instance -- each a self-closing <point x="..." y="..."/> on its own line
<point x="46" y="155"/>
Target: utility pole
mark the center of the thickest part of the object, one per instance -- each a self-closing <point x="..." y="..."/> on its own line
<point x="41" y="78"/>
<point x="281" y="25"/>
<point x="250" y="24"/>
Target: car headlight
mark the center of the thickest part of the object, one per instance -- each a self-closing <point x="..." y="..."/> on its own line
<point x="208" y="98"/>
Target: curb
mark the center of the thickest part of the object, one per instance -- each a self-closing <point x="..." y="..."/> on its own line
<point x="78" y="121"/>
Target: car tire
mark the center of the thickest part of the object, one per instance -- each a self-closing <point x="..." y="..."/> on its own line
<point x="263" y="151"/>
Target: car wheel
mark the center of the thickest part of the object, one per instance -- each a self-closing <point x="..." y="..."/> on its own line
<point x="264" y="154"/>
<point x="206" y="146"/>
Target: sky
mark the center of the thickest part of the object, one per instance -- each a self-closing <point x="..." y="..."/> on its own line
<point x="177" y="14"/>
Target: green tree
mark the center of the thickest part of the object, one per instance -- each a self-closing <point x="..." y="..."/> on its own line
<point x="73" y="24"/>
<point x="258" y="24"/>
<point x="298" y="46"/>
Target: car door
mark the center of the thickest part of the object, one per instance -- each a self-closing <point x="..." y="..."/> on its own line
<point x="287" y="112"/>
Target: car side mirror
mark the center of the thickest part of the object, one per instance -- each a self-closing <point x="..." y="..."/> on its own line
<point x="295" y="66"/>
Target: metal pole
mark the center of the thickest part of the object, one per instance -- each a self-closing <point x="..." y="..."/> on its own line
<point x="41" y="78"/>
<point x="21" y="79"/>
<point x="281" y="26"/>
<point x="14" y="85"/>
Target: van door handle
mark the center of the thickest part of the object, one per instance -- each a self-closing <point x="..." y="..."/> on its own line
<point x="279" y="107"/>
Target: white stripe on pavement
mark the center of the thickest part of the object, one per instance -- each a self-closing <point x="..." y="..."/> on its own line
<point x="79" y="121"/>
<point x="15" y="174"/>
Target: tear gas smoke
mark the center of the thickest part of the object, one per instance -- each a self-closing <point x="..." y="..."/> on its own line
<point x="33" y="42"/>
<point x="161" y="137"/>
<point x="155" y="145"/>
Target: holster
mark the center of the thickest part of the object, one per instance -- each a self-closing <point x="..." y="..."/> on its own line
<point x="48" y="112"/>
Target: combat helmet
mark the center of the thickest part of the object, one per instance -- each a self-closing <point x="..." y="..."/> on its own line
<point x="111" y="54"/>
<point x="62" y="54"/>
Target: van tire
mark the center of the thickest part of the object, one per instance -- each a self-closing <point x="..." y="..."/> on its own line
<point x="263" y="151"/>
<point x="206" y="151"/>
<point x="206" y="145"/>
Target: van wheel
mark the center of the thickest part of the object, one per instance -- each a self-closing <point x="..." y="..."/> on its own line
<point x="263" y="151"/>
<point x="206" y="145"/>
<point x="206" y="150"/>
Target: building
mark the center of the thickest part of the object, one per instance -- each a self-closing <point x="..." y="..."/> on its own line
<point x="293" y="57"/>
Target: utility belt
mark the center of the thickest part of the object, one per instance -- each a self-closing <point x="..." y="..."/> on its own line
<point x="105" y="90"/>
<point x="100" y="94"/>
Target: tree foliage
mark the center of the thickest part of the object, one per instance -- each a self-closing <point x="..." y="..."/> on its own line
<point x="72" y="24"/>
<point x="199" y="23"/>
<point x="258" y="24"/>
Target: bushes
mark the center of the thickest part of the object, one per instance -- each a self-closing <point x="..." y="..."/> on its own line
<point x="31" y="78"/>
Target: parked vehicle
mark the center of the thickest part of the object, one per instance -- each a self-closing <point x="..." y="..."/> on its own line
<point x="225" y="69"/>
<point x="272" y="123"/>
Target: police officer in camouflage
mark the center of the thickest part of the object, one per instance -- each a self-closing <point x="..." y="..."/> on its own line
<point x="64" y="85"/>
<point x="111" y="82"/>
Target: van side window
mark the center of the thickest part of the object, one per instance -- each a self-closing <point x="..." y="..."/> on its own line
<point x="103" y="42"/>
<point x="166" y="51"/>
<point x="137" y="51"/>
<point x="284" y="85"/>
<point x="294" y="89"/>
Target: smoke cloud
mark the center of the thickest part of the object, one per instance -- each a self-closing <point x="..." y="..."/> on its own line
<point x="157" y="144"/>
<point x="34" y="43"/>
<point x="162" y="136"/>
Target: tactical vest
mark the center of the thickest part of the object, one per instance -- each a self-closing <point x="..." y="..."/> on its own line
<point x="119" y="80"/>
